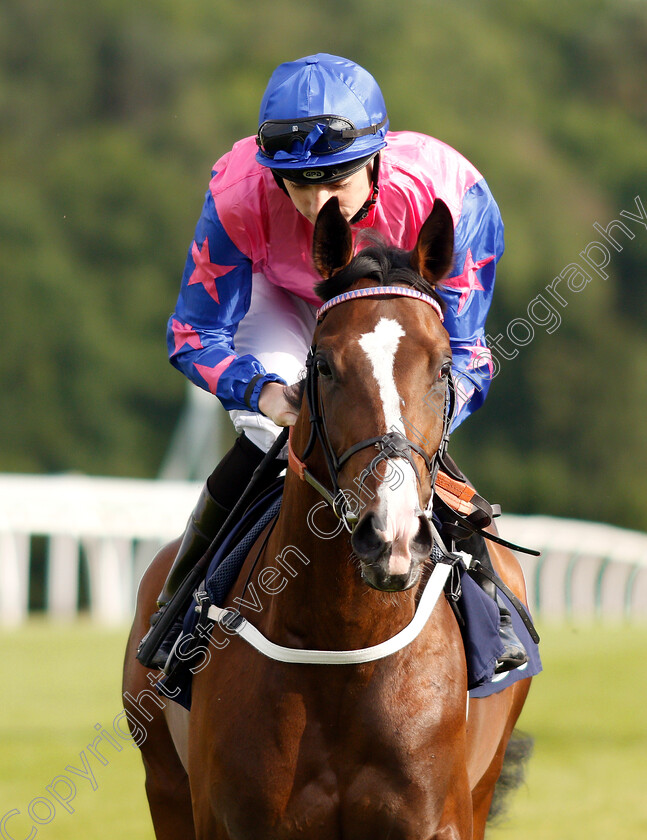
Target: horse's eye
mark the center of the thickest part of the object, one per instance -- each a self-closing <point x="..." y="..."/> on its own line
<point x="323" y="368"/>
<point x="445" y="370"/>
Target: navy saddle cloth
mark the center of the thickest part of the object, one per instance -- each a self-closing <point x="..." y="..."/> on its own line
<point x="479" y="613"/>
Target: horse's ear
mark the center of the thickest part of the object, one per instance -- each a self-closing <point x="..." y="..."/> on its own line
<point x="434" y="251"/>
<point x="332" y="244"/>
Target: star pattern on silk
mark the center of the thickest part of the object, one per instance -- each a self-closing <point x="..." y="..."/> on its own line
<point x="463" y="394"/>
<point x="480" y="356"/>
<point x="211" y="375"/>
<point x="184" y="334"/>
<point x="205" y="272"/>
<point x="467" y="281"/>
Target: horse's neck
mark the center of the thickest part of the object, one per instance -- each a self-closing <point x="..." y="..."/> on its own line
<point x="320" y="600"/>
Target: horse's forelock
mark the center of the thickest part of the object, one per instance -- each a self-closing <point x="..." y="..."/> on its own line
<point x="380" y="263"/>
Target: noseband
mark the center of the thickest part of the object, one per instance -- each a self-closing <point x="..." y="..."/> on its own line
<point x="390" y="445"/>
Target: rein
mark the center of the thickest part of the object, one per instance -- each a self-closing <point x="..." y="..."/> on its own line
<point x="390" y="445"/>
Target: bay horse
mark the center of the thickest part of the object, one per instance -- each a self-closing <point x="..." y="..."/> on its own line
<point x="382" y="749"/>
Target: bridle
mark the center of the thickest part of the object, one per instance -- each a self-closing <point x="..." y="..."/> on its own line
<point x="390" y="446"/>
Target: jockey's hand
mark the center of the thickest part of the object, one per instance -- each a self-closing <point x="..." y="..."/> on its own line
<point x="273" y="404"/>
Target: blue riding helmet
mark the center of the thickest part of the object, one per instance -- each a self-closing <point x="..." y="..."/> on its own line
<point x="322" y="118"/>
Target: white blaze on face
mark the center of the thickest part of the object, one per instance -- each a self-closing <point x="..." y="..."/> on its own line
<point x="398" y="497"/>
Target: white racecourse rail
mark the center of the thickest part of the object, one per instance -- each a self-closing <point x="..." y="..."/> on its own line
<point x="115" y="526"/>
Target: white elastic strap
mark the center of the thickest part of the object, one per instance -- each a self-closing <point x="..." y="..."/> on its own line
<point x="256" y="639"/>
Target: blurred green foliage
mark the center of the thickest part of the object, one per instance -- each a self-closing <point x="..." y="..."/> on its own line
<point x="113" y="112"/>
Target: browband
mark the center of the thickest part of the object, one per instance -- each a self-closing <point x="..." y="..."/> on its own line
<point x="400" y="291"/>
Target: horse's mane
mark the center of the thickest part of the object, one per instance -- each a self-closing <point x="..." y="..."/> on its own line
<point x="382" y="264"/>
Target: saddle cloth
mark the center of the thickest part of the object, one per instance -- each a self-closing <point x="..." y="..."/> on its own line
<point x="479" y="615"/>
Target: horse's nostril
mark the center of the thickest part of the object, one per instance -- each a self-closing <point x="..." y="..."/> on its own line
<point x="423" y="539"/>
<point x="366" y="540"/>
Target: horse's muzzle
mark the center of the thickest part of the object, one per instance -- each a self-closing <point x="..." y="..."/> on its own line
<point x="385" y="566"/>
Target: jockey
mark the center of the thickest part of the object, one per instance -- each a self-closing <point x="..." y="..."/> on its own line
<point x="246" y="310"/>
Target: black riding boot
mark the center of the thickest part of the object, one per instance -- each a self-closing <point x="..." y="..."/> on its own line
<point x="514" y="653"/>
<point x="219" y="495"/>
<point x="203" y="525"/>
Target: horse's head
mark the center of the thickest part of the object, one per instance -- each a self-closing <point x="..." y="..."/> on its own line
<point x="376" y="390"/>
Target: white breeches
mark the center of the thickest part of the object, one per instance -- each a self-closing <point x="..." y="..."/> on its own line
<point x="277" y="330"/>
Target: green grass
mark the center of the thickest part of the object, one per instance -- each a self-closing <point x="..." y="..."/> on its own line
<point x="586" y="778"/>
<point x="62" y="681"/>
